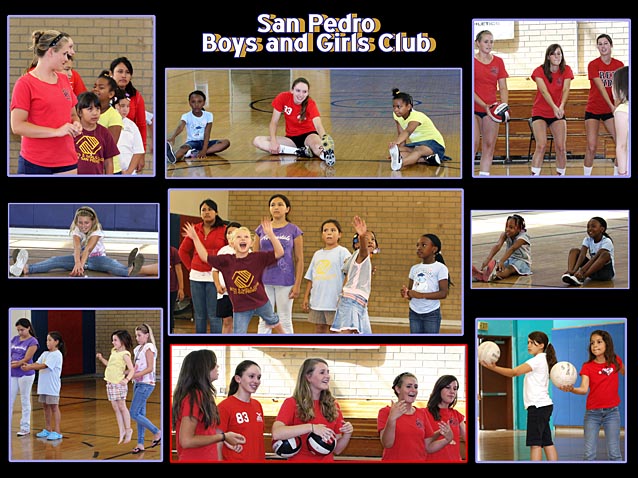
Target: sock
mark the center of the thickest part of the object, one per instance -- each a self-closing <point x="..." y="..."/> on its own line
<point x="484" y="173"/>
<point x="287" y="149"/>
<point x="560" y="171"/>
<point x="587" y="170"/>
<point x="536" y="171"/>
<point x="615" y="170"/>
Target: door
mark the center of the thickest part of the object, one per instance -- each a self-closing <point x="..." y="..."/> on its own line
<point x="496" y="408"/>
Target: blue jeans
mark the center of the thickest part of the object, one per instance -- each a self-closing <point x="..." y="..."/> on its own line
<point x="429" y="323"/>
<point x="241" y="320"/>
<point x="141" y="393"/>
<point x="204" y="298"/>
<point x="95" y="263"/>
<point x="609" y="419"/>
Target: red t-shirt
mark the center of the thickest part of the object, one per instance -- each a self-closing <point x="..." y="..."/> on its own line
<point x="243" y="277"/>
<point x="201" y="454"/>
<point x="93" y="147"/>
<point x="137" y="114"/>
<point x="213" y="242"/>
<point x="598" y="69"/>
<point x="603" y="384"/>
<point x="409" y="436"/>
<point x="288" y="416"/>
<point x="285" y="104"/>
<point x="486" y="80"/>
<point x="541" y="107"/>
<point x="452" y="451"/>
<point x="247" y="419"/>
<point x="47" y="105"/>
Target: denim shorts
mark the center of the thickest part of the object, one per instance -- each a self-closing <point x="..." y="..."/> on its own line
<point x="351" y="315"/>
<point x="522" y="267"/>
<point x="199" y="145"/>
<point x="430" y="143"/>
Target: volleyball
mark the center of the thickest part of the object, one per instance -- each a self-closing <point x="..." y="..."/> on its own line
<point x="287" y="448"/>
<point x="489" y="352"/>
<point x="500" y="112"/>
<point x="317" y="446"/>
<point x="563" y="373"/>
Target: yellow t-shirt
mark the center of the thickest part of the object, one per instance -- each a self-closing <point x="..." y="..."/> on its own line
<point x="116" y="366"/>
<point x="424" y="132"/>
<point x="111" y="117"/>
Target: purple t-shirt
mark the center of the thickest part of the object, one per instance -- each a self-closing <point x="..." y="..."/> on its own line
<point x="18" y="351"/>
<point x="282" y="273"/>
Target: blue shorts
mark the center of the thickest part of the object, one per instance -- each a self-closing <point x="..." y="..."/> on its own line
<point x="430" y="143"/>
<point x="199" y="145"/>
<point x="522" y="267"/>
<point x="351" y="315"/>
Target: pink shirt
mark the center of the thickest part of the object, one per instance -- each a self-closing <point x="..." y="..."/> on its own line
<point x="48" y="105"/>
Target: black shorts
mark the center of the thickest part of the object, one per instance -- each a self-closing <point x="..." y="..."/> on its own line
<point x="605" y="273"/>
<point x="538" y="431"/>
<point x="480" y="114"/>
<point x="224" y="307"/>
<point x="601" y="117"/>
<point x="549" y="121"/>
<point x="300" y="140"/>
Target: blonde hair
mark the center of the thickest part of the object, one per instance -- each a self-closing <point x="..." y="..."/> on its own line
<point x="233" y="234"/>
<point x="86" y="211"/>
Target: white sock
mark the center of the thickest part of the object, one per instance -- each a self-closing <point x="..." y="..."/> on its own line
<point x="615" y="170"/>
<point x="484" y="173"/>
<point x="560" y="171"/>
<point x="587" y="170"/>
<point x="536" y="171"/>
<point x="287" y="149"/>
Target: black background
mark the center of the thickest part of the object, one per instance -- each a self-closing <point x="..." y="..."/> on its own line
<point x="179" y="31"/>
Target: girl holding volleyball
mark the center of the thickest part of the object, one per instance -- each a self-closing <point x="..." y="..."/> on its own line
<point x="312" y="410"/>
<point x="490" y="76"/>
<point x="536" y="397"/>
<point x="599" y="381"/>
<point x="241" y="413"/>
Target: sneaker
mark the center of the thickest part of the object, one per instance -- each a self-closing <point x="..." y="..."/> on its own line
<point x="170" y="155"/>
<point x="191" y="153"/>
<point x="328" y="156"/>
<point x="304" y="152"/>
<point x="43" y="434"/>
<point x="572" y="280"/>
<point x="490" y="270"/>
<point x="21" y="259"/>
<point x="566" y="278"/>
<point x="23" y="433"/>
<point x="433" y="160"/>
<point x="54" y="436"/>
<point x="397" y="161"/>
<point x="478" y="274"/>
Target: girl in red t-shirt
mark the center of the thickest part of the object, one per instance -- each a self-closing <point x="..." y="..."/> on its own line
<point x="304" y="130"/>
<point x="195" y="415"/>
<point x="599" y="381"/>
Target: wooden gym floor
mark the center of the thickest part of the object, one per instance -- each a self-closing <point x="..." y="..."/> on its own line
<point x="88" y="426"/>
<point x="552" y="234"/>
<point x="355" y="107"/>
<point x="509" y="445"/>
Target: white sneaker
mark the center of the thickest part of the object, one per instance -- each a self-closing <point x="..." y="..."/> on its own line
<point x="23" y="433"/>
<point x="191" y="153"/>
<point x="397" y="161"/>
<point x="21" y="260"/>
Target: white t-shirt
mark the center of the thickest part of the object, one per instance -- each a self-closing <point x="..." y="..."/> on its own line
<point x="130" y="143"/>
<point x="536" y="383"/>
<point x="425" y="278"/>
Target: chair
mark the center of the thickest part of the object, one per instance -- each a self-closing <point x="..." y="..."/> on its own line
<point x="532" y="140"/>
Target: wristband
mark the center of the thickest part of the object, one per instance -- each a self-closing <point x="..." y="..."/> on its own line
<point x="223" y="436"/>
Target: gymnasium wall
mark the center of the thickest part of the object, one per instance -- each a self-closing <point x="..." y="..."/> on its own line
<point x="526" y="50"/>
<point x="113" y="217"/>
